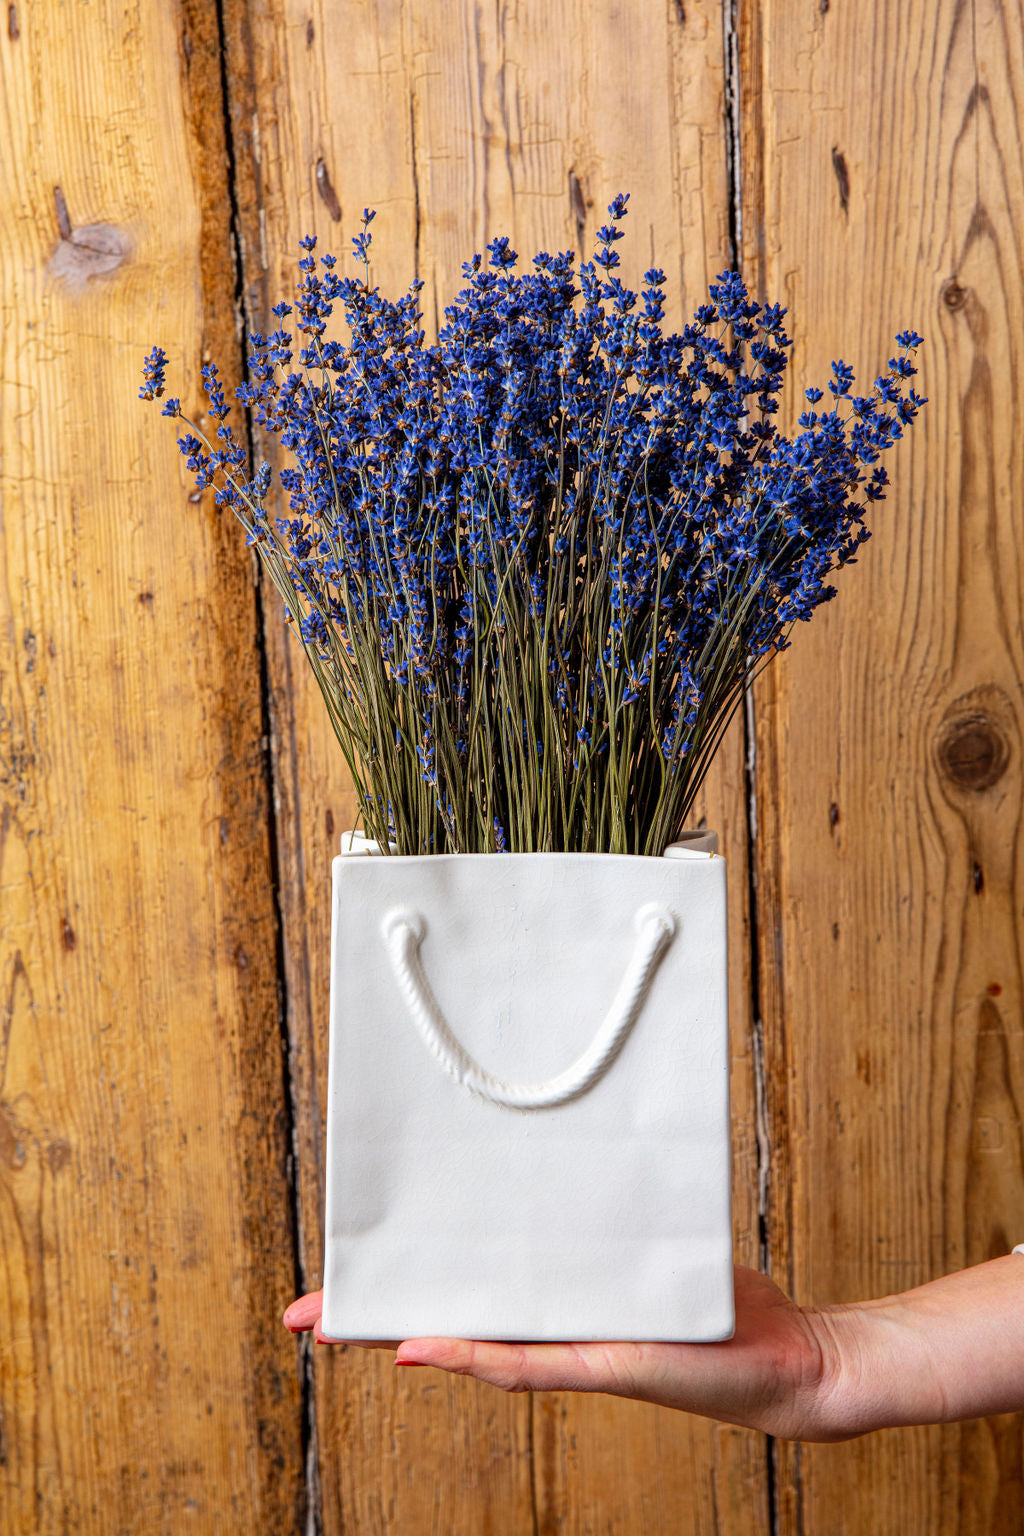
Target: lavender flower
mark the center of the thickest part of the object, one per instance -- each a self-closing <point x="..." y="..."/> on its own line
<point x="535" y="565"/>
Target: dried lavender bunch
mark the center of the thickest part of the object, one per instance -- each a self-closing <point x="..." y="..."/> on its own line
<point x="535" y="565"/>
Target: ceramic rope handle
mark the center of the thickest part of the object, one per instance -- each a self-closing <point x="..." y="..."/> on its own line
<point x="403" y="932"/>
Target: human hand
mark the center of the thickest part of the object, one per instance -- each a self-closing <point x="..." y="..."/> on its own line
<point x="779" y="1373"/>
<point x="949" y="1350"/>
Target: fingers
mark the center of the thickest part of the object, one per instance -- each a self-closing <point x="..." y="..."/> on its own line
<point x="529" y="1367"/>
<point x="304" y="1313"/>
<point x="513" y="1367"/>
<point x="322" y="1338"/>
<point x="303" y="1316"/>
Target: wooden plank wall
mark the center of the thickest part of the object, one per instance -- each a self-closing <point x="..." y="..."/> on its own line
<point x="171" y="796"/>
<point x="145" y="1224"/>
<point x="883" y="187"/>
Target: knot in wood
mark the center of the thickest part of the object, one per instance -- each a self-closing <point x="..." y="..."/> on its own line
<point x="953" y="296"/>
<point x="90" y="251"/>
<point x="973" y="752"/>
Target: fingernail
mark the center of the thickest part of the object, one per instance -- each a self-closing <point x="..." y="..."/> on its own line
<point x="294" y="1330"/>
<point x="410" y="1362"/>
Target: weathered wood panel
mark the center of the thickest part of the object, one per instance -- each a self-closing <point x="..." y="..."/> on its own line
<point x="883" y="188"/>
<point x="146" y="1246"/>
<point x="144" y="1205"/>
<point x="616" y="1467"/>
<point x="458" y="123"/>
<point x="320" y="110"/>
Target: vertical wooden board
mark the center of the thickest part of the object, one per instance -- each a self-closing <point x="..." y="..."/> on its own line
<point x="322" y="126"/>
<point x="883" y="188"/>
<point x="144" y="1203"/>
<point x="458" y="123"/>
<point x="619" y="1467"/>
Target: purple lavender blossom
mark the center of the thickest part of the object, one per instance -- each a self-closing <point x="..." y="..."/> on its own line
<point x="536" y="564"/>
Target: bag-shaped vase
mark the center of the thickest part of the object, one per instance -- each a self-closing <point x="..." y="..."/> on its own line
<point x="528" y="1111"/>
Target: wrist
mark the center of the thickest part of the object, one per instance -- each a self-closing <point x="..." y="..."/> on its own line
<point x="883" y="1373"/>
<point x="949" y="1350"/>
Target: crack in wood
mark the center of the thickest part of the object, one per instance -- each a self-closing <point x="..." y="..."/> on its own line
<point x="63" y="220"/>
<point x="578" y="209"/>
<point x="312" y="1512"/>
<point x="325" y="188"/>
<point x="416" y="210"/>
<point x="762" y="1118"/>
<point x="733" y="125"/>
<point x="842" y="177"/>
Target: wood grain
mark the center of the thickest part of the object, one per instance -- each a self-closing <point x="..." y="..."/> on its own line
<point x="618" y="1467"/>
<point x="160" y="877"/>
<point x="458" y="123"/>
<point x="882" y="189"/>
<point x="144" y="1202"/>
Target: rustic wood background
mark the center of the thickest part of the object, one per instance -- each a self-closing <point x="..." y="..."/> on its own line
<point x="171" y="795"/>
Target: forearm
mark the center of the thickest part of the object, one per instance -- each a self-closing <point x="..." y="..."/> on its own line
<point x="952" y="1349"/>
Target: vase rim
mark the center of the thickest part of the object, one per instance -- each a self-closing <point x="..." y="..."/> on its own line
<point x="695" y="843"/>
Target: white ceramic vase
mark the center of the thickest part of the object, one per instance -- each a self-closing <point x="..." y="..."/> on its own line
<point x="528" y="1112"/>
